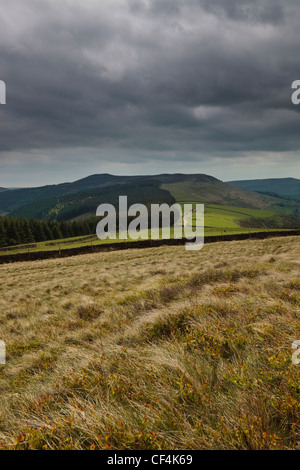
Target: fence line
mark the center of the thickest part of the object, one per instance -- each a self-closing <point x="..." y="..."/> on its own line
<point x="63" y="253"/>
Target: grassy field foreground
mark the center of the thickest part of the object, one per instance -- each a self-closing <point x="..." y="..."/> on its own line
<point x="159" y="348"/>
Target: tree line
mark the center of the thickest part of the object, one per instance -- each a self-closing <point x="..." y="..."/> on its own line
<point x="16" y="231"/>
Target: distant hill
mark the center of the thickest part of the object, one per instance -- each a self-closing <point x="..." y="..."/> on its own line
<point x="14" y="199"/>
<point x="2" y="189"/>
<point x="211" y="190"/>
<point x="22" y="201"/>
<point x="84" y="203"/>
<point x="284" y="187"/>
<point x="69" y="201"/>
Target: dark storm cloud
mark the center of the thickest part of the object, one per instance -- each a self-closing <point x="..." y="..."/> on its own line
<point x="194" y="76"/>
<point x="257" y="11"/>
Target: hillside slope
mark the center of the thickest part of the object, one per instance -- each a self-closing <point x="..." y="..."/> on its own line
<point x="284" y="187"/>
<point x="20" y="198"/>
<point x="81" y="198"/>
<point x="85" y="203"/>
<point x="178" y="350"/>
<point x="17" y="198"/>
<point x="216" y="192"/>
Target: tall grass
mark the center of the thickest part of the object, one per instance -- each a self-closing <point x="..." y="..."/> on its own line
<point x="159" y="348"/>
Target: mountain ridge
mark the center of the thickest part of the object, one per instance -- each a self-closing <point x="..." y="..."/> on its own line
<point x="70" y="200"/>
<point x="284" y="187"/>
<point x="15" y="199"/>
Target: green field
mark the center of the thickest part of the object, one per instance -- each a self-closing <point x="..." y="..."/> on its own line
<point x="219" y="220"/>
<point x="227" y="217"/>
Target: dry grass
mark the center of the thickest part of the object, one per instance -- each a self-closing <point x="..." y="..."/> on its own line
<point x="153" y="349"/>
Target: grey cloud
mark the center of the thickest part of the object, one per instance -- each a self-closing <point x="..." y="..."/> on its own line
<point x="194" y="77"/>
<point x="261" y="11"/>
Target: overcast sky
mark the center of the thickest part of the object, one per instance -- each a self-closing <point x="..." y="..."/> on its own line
<point x="148" y="86"/>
